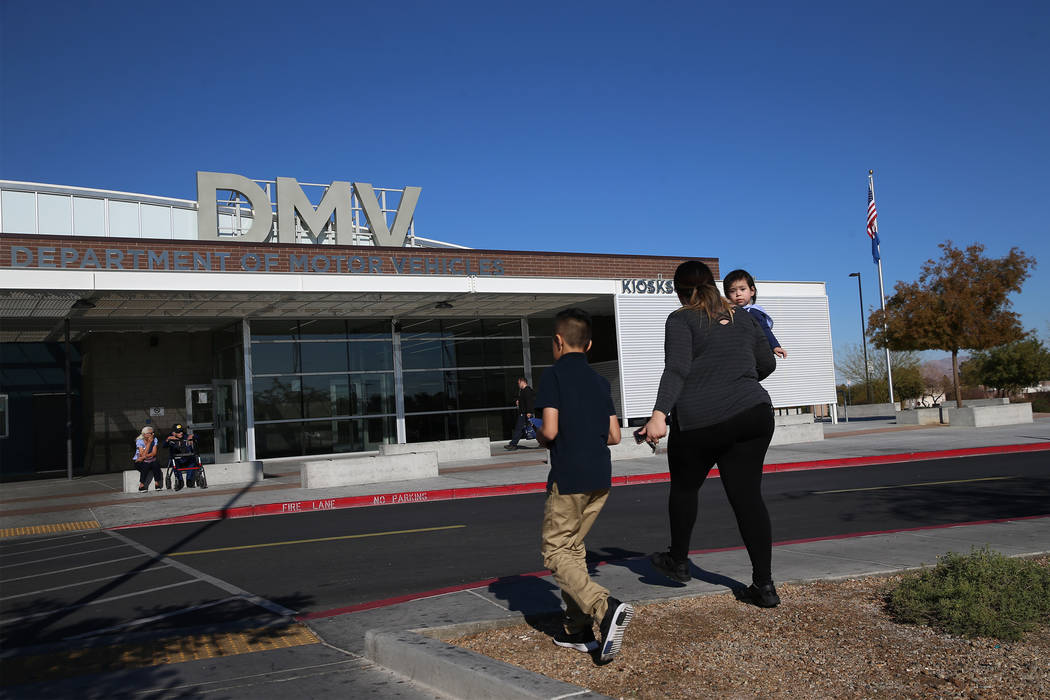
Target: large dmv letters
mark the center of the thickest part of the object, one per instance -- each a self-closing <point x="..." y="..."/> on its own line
<point x="292" y="199"/>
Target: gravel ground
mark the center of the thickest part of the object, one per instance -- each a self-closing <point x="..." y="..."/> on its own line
<point x="831" y="639"/>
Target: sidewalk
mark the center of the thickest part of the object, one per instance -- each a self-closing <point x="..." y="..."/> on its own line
<point x="388" y="632"/>
<point x="59" y="504"/>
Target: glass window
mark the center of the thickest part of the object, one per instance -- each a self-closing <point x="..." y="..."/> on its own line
<point x="184" y="224"/>
<point x="541" y="327"/>
<point x="453" y="426"/>
<point x="487" y="388"/>
<point x="279" y="440"/>
<point x="368" y="328"/>
<point x="3" y="415"/>
<point x="322" y="329"/>
<point x="19" y="212"/>
<point x="275" y="358"/>
<point x="423" y="354"/>
<point x="89" y="216"/>
<point x="371" y="355"/>
<point x="541" y="351"/>
<point x="327" y="395"/>
<point x="323" y="437"/>
<point x="278" y="398"/>
<point x="156" y="221"/>
<point x="282" y="329"/>
<point x="321" y="356"/>
<point x="56" y="214"/>
<point x="428" y="391"/>
<point x="371" y="393"/>
<point x="124" y="219"/>
<point x="434" y="426"/>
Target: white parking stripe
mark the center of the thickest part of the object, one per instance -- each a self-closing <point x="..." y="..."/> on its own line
<point x="82" y="583"/>
<point x="43" y="549"/>
<point x="275" y="608"/>
<point x="64" y="556"/>
<point x="146" y="620"/>
<point x="45" y="539"/>
<point x="67" y="608"/>
<point x="72" y="568"/>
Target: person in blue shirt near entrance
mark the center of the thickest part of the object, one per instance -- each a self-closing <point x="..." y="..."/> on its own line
<point x="579" y="422"/>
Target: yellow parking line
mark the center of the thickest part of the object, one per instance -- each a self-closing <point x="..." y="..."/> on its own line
<point x="316" y="539"/>
<point x="921" y="483"/>
<point x="49" y="529"/>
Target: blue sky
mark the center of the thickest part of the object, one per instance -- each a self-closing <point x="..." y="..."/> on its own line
<point x="742" y="131"/>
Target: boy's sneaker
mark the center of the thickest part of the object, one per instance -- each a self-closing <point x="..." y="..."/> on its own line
<point x="580" y="641"/>
<point x="613" y="625"/>
<point x="670" y="567"/>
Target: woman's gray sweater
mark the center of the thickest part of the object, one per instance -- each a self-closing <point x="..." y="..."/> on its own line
<point x="711" y="371"/>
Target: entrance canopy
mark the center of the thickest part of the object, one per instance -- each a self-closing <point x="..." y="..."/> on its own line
<point x="35" y="303"/>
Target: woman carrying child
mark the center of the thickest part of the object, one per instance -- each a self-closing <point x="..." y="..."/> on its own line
<point x="714" y="357"/>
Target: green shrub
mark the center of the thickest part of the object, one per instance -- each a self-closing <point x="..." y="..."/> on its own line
<point x="1041" y="403"/>
<point x="984" y="594"/>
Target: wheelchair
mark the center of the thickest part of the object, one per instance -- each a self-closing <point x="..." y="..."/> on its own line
<point x="180" y="472"/>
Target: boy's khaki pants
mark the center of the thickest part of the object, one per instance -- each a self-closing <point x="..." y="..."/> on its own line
<point x="567" y="518"/>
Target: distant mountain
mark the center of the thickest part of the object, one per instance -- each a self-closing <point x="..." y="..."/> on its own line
<point x="941" y="365"/>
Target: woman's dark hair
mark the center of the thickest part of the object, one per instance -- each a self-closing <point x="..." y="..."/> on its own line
<point x="736" y="276"/>
<point x="696" y="289"/>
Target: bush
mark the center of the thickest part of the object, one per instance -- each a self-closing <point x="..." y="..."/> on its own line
<point x="984" y="594"/>
<point x="1041" y="402"/>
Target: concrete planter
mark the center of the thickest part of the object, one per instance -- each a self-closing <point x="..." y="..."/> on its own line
<point x="447" y="450"/>
<point x="230" y="473"/>
<point x="920" y="416"/>
<point x="347" y="471"/>
<point x="983" y="416"/>
<point x="871" y="410"/>
<point x="794" y="428"/>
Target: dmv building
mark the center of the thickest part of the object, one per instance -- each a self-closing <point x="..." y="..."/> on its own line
<point x="284" y="319"/>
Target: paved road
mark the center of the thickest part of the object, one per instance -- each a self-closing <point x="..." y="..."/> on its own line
<point x="248" y="572"/>
<point x="389" y="552"/>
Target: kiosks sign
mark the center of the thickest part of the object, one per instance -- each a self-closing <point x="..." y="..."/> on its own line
<point x="291" y="200"/>
<point x="646" y="286"/>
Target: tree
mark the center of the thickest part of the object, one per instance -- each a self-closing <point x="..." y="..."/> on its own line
<point x="959" y="303"/>
<point x="1011" y="367"/>
<point x="850" y="366"/>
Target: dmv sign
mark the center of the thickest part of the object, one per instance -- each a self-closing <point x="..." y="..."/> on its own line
<point x="291" y="200"/>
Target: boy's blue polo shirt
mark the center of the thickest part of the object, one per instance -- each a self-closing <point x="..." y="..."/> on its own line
<point x="580" y="459"/>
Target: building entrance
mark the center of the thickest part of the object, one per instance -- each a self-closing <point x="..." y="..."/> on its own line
<point x="213" y="416"/>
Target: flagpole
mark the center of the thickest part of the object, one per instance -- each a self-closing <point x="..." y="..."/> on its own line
<point x="882" y="293"/>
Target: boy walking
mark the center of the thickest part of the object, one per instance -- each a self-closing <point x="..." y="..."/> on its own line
<point x="579" y="422"/>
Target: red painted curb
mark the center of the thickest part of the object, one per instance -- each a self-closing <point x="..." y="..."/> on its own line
<point x="386" y="602"/>
<point x="538" y="487"/>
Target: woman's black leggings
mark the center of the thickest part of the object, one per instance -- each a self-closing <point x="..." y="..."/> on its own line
<point x="738" y="445"/>
<point x="149" y="471"/>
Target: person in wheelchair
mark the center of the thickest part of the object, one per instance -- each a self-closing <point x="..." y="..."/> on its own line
<point x="182" y="456"/>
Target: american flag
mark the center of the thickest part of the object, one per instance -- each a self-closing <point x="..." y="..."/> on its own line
<point x="873" y="224"/>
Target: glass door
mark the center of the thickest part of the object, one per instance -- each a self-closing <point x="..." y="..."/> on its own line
<point x="213" y="415"/>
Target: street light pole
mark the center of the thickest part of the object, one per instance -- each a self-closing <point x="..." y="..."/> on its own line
<point x="863" y="335"/>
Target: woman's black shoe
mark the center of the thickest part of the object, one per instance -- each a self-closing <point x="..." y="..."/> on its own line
<point x="764" y="596"/>
<point x="671" y="568"/>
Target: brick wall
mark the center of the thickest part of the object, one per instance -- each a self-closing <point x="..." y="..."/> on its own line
<point x="513" y="263"/>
